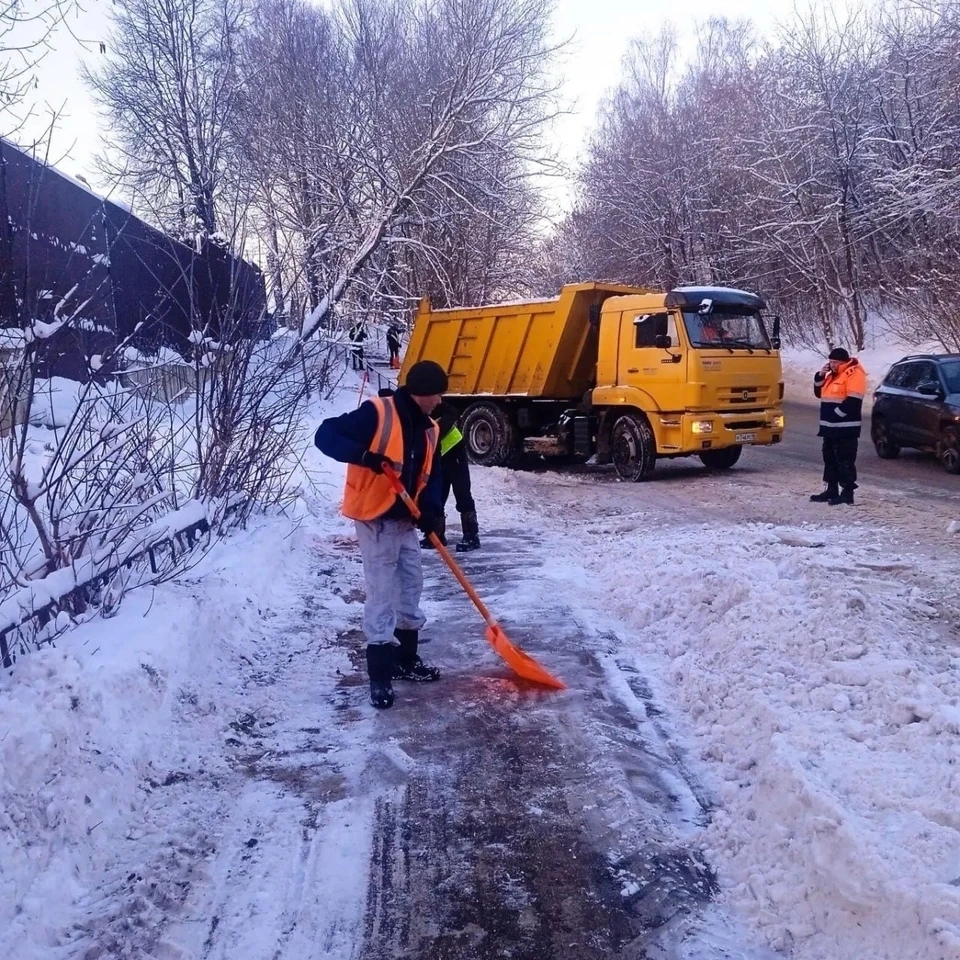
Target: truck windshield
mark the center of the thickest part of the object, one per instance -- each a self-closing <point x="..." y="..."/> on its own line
<point x="736" y="330"/>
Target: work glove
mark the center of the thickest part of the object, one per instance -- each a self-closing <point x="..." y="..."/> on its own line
<point x="428" y="522"/>
<point x="374" y="461"/>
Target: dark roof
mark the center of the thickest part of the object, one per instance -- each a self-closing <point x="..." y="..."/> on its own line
<point x="691" y="298"/>
<point x="929" y="356"/>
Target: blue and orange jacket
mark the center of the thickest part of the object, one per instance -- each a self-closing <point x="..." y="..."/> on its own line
<point x="841" y="400"/>
<point x="395" y="427"/>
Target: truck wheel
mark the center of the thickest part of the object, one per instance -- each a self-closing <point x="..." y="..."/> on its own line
<point x="722" y="459"/>
<point x="489" y="435"/>
<point x="634" y="447"/>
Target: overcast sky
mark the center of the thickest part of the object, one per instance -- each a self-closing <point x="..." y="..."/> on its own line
<point x="601" y="31"/>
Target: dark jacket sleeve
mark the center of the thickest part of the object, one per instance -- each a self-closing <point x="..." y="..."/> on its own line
<point x="818" y="381"/>
<point x="447" y="417"/>
<point x="431" y="497"/>
<point x="346" y="438"/>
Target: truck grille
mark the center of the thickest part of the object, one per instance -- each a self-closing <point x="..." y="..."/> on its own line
<point x="743" y="396"/>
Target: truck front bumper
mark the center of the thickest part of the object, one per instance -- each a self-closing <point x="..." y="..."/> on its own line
<point x="687" y="433"/>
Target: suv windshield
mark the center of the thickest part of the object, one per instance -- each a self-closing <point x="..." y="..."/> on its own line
<point x="726" y="327"/>
<point x="951" y="375"/>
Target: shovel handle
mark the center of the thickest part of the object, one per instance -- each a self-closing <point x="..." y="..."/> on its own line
<point x="401" y="492"/>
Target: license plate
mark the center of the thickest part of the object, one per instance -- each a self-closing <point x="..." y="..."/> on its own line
<point x="745" y="437"/>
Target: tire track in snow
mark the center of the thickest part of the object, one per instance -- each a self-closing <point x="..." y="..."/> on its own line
<point x="533" y="825"/>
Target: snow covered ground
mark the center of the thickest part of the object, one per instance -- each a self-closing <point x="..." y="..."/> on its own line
<point x="201" y="776"/>
<point x="814" y="671"/>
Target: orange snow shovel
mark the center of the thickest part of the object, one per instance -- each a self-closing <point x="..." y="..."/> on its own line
<point x="522" y="664"/>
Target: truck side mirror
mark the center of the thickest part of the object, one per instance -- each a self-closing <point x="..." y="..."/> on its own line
<point x="663" y="342"/>
<point x="775" y="343"/>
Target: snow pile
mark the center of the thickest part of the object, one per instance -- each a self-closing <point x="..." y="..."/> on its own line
<point x="823" y="694"/>
<point x="800" y="364"/>
<point x="131" y="752"/>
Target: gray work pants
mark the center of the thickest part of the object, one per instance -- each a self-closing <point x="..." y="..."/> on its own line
<point x="394" y="578"/>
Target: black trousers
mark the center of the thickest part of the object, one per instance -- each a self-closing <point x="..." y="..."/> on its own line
<point x="840" y="461"/>
<point x="455" y="475"/>
<point x="356" y="358"/>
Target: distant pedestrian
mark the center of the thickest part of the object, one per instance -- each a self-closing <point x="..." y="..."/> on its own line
<point x="393" y="345"/>
<point x="395" y="430"/>
<point x="840" y="387"/>
<point x="358" y="333"/>
<point x="455" y="475"/>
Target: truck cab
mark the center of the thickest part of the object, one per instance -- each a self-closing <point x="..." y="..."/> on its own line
<point x="700" y="365"/>
<point x="627" y="375"/>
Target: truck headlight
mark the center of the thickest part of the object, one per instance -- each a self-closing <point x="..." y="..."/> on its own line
<point x="777" y="422"/>
<point x="702" y="426"/>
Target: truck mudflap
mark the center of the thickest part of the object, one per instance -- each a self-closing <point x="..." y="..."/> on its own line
<point x="691" y="433"/>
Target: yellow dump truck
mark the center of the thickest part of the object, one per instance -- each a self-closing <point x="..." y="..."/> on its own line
<point x="625" y="374"/>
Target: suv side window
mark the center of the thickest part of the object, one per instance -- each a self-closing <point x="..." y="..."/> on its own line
<point x="928" y="373"/>
<point x="904" y="376"/>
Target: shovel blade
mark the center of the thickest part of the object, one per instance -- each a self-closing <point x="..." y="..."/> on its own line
<point x="521" y="664"/>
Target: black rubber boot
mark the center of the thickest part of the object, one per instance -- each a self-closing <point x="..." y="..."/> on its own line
<point x="844" y="497"/>
<point x="471" y="533"/>
<point x="380" y="664"/>
<point x="408" y="665"/>
<point x="828" y="495"/>
<point x="441" y="533"/>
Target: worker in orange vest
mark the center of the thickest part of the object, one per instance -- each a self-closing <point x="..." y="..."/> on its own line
<point x="396" y="430"/>
<point x="840" y="387"/>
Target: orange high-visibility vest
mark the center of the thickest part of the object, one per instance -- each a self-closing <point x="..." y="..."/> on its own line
<point x="850" y="380"/>
<point x="368" y="495"/>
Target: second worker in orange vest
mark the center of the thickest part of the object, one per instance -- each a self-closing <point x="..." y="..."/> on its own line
<point x="397" y="430"/>
<point x="840" y="387"/>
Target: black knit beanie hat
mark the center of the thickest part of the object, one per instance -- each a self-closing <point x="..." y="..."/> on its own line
<point x="839" y="354"/>
<point x="426" y="379"/>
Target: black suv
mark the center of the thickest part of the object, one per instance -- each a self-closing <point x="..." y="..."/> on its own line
<point x="918" y="405"/>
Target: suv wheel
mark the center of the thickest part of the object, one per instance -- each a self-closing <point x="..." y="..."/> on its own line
<point x="950" y="450"/>
<point x="882" y="441"/>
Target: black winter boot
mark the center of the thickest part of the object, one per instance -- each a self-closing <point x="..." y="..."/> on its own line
<point x="408" y="665"/>
<point x="380" y="664"/>
<point x="471" y="533"/>
<point x="845" y="497"/>
<point x="828" y="495"/>
<point x="441" y="533"/>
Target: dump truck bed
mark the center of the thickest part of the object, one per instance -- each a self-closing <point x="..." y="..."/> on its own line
<point x="532" y="348"/>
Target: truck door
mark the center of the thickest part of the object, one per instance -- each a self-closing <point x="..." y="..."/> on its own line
<point x="651" y="357"/>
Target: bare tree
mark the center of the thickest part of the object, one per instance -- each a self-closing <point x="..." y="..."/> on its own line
<point x="170" y="93"/>
<point x="27" y="29"/>
<point x="819" y="168"/>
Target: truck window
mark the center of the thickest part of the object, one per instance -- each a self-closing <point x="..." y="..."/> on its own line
<point x="726" y="327"/>
<point x="646" y="325"/>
